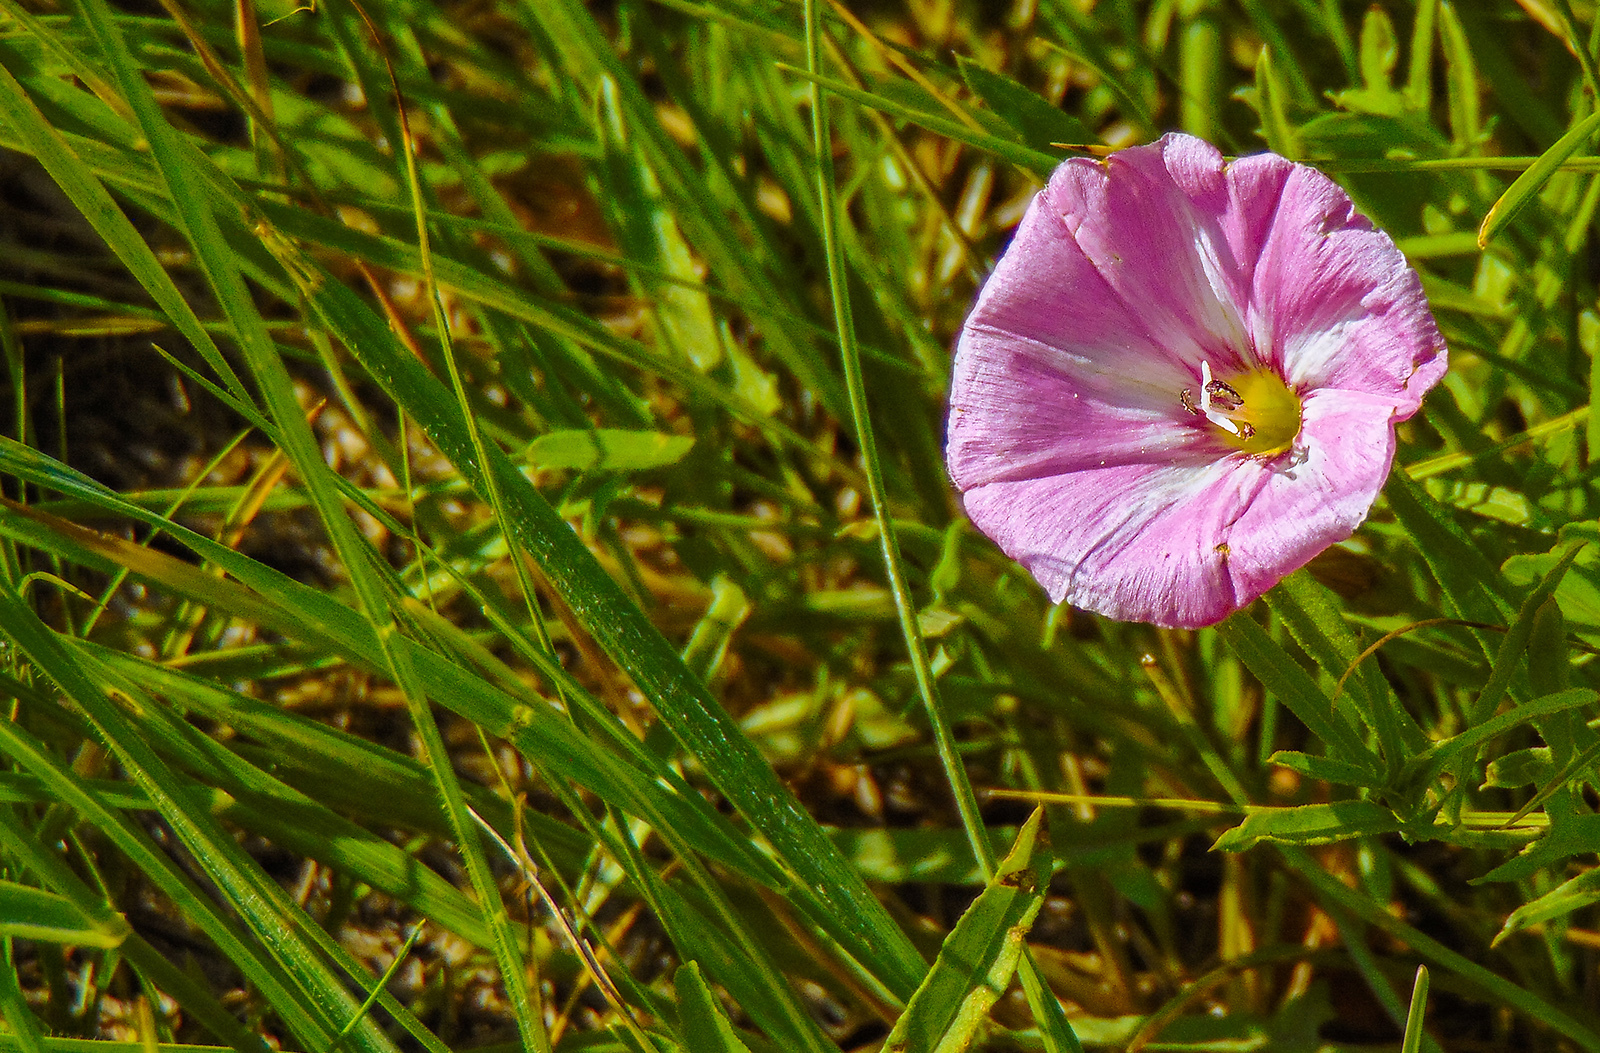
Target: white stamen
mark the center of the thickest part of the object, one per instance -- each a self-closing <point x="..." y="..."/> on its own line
<point x="1223" y="422"/>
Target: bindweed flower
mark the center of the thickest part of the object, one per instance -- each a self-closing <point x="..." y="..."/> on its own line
<point x="1182" y="380"/>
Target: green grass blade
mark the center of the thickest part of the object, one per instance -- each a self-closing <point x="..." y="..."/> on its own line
<point x="979" y="957"/>
<point x="1467" y="971"/>
<point x="92" y="199"/>
<point x="34" y="914"/>
<point x="1311" y="614"/>
<point x="1527" y="186"/>
<point x="841" y="900"/>
<point x="700" y="1014"/>
<point x="1295" y="689"/>
<point x="273" y="979"/>
<point x="1031" y="160"/>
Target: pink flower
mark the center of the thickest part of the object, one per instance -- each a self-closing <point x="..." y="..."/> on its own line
<point x="1182" y="380"/>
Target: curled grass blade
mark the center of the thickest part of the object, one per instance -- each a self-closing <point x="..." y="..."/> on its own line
<point x="1526" y="187"/>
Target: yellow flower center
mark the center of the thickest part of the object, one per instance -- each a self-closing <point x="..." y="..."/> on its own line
<point x="1255" y="411"/>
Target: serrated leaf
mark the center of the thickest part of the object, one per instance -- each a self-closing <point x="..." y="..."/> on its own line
<point x="978" y="958"/>
<point x="1570" y="835"/>
<point x="1325" y="769"/>
<point x="1309" y="824"/>
<point x="1311" y="613"/>
<point x="1572" y="895"/>
<point x="1430" y="761"/>
<point x="1294" y="687"/>
<point x="1523" y="767"/>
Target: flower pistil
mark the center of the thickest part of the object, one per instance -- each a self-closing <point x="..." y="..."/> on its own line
<point x="1255" y="410"/>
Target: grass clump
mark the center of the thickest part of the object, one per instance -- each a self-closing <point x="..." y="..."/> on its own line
<point x="478" y="566"/>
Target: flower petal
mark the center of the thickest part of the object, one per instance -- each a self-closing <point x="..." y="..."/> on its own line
<point x="1135" y="542"/>
<point x="1333" y="303"/>
<point x="1073" y="436"/>
<point x="1015" y="415"/>
<point x="1186" y="546"/>
<point x="1115" y="267"/>
<point x="1317" y="496"/>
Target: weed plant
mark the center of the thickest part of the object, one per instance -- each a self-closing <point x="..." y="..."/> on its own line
<point x="478" y="570"/>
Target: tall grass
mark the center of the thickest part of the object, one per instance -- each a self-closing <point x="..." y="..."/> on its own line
<point x="477" y="568"/>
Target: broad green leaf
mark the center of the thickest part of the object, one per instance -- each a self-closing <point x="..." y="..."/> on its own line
<point x="607" y="449"/>
<point x="1309" y="824"/>
<point x="1037" y="123"/>
<point x="1549" y="668"/>
<point x="980" y="955"/>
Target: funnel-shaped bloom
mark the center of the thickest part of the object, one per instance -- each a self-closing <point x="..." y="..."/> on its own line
<point x="1182" y="380"/>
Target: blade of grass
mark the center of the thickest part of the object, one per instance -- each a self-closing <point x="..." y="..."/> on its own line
<point x="1526" y="187"/>
<point x="96" y="204"/>
<point x="24" y="848"/>
<point x="308" y="614"/>
<point x="838" y="900"/>
<point x="1035" y="162"/>
<point x="1464" y="969"/>
<point x="1054" y="1028"/>
<point x="276" y="980"/>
